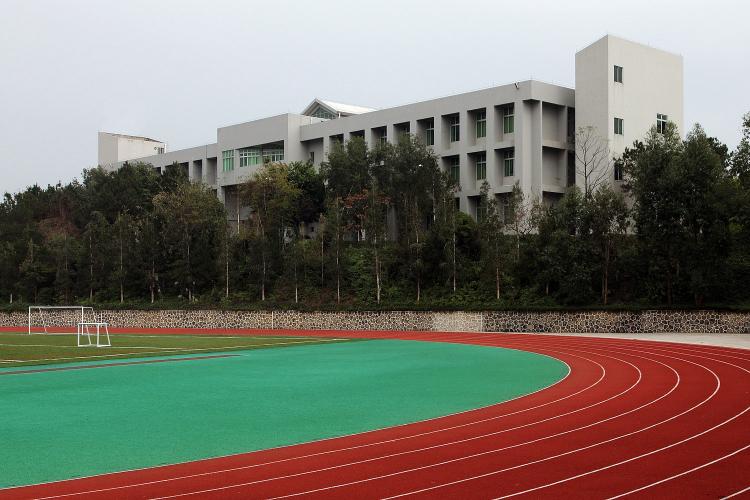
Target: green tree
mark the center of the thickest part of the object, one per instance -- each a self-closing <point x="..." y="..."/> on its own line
<point x="193" y="227"/>
<point x="605" y="221"/>
<point x="491" y="226"/>
<point x="271" y="197"/>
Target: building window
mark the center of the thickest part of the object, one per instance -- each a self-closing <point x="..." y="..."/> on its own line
<point x="322" y="113"/>
<point x="249" y="156"/>
<point x="312" y="156"/>
<point x="227" y="160"/>
<point x="508" y="119"/>
<point x="481" y="211"/>
<point x="619" y="173"/>
<point x="160" y="151"/>
<point x="272" y="155"/>
<point x="618" y="126"/>
<point x="481" y="164"/>
<point x="508" y="214"/>
<point x="481" y="124"/>
<point x="661" y="123"/>
<point x="508" y="163"/>
<point x="455" y="169"/>
<point x="429" y="132"/>
<point x="618" y="74"/>
<point x="455" y="134"/>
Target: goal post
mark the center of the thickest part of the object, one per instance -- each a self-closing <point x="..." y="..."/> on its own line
<point x="72" y="316"/>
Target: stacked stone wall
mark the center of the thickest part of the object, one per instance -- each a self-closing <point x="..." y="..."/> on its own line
<point x="490" y="321"/>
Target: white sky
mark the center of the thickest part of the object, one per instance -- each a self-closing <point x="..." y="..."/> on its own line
<point x="176" y="70"/>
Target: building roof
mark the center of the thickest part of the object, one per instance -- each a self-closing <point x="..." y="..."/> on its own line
<point x="335" y="108"/>
<point x="138" y="137"/>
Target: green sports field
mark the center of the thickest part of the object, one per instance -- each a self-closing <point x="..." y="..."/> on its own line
<point x="83" y="418"/>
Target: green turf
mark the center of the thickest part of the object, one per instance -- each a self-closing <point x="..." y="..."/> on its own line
<point x="64" y="424"/>
<point x="19" y="349"/>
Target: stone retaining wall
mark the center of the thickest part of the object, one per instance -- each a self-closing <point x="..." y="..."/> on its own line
<point x="491" y="321"/>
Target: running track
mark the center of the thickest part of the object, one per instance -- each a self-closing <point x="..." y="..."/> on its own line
<point x="638" y="418"/>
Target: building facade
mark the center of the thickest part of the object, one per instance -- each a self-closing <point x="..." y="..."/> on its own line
<point x="522" y="132"/>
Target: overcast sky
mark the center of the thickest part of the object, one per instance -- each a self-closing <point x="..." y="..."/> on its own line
<point x="177" y="70"/>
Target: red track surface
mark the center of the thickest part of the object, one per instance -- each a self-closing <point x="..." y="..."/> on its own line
<point x="647" y="418"/>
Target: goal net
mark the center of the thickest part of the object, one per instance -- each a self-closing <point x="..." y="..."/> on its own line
<point x="58" y="319"/>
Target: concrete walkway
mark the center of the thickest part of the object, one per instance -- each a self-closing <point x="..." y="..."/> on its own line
<point x="737" y="340"/>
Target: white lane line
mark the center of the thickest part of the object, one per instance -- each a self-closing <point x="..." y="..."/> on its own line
<point x="735" y="452"/>
<point x="502" y="449"/>
<point x="672" y="389"/>
<point x="738" y="493"/>
<point x="445" y="444"/>
<point x="175" y="350"/>
<point x="188" y="476"/>
<point x="75" y="347"/>
<point x="716" y="390"/>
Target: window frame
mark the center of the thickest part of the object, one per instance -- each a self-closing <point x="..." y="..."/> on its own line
<point x="227" y="160"/>
<point x="480" y="164"/>
<point x="248" y="159"/>
<point x="661" y="122"/>
<point x="454" y="169"/>
<point x="509" y="163"/>
<point x="454" y="128"/>
<point x="619" y="173"/>
<point x="619" y="126"/>
<point x="429" y="132"/>
<point x="509" y="118"/>
<point x="481" y="124"/>
<point x="618" y="74"/>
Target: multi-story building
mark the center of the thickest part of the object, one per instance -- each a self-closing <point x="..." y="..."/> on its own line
<point x="522" y="132"/>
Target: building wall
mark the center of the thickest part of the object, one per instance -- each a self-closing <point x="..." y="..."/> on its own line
<point x="541" y="140"/>
<point x="652" y="83"/>
<point x="114" y="148"/>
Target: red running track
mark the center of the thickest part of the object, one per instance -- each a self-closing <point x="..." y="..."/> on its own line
<point x="632" y="418"/>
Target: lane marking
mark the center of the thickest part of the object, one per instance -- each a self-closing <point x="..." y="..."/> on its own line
<point x="716" y="390"/>
<point x="688" y="472"/>
<point x="186" y="350"/>
<point x="122" y="363"/>
<point x="299" y="457"/>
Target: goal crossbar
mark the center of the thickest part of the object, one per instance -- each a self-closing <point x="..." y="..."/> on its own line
<point x="41" y="309"/>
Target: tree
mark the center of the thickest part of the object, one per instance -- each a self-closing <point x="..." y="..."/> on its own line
<point x="491" y="228"/>
<point x="517" y="214"/>
<point x="653" y="179"/>
<point x="606" y="218"/>
<point x="193" y="225"/>
<point x="271" y="197"/>
<point x="593" y="159"/>
<point x="348" y="168"/>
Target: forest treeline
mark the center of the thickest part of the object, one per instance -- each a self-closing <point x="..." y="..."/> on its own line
<point x="379" y="228"/>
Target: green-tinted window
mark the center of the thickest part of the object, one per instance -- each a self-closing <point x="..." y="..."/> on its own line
<point x="227" y="160"/>
<point x="481" y="124"/>
<point x="249" y="157"/>
<point x="455" y="169"/>
<point x="508" y="119"/>
<point x="429" y="132"/>
<point x="619" y="126"/>
<point x="273" y="154"/>
<point x="508" y="163"/>
<point x="455" y="134"/>
<point x="481" y="166"/>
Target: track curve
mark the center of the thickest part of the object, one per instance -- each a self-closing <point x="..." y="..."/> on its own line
<point x="637" y="418"/>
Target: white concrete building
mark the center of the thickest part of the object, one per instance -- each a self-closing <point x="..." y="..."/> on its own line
<point x="118" y="148"/>
<point x="522" y="132"/>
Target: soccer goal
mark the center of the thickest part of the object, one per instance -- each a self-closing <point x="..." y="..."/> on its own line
<point x="61" y="319"/>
